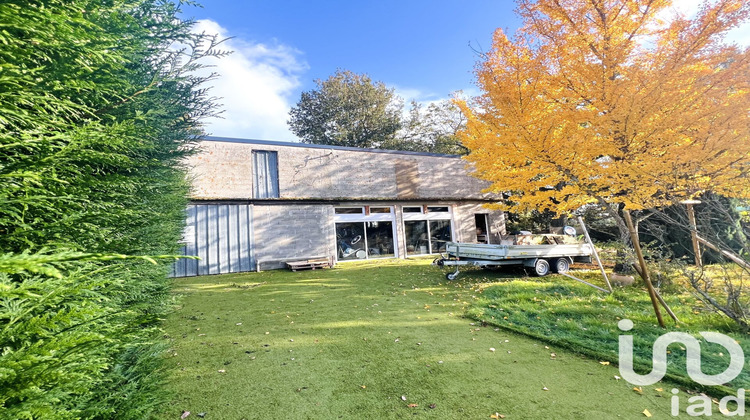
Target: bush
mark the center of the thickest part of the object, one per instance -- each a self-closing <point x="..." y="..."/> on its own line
<point x="97" y="108"/>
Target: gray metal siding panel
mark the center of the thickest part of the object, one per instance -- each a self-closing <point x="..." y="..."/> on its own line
<point x="244" y="229"/>
<point x="191" y="265"/>
<point x="213" y="239"/>
<point x="202" y="242"/>
<point x="233" y="238"/>
<point x="251" y="237"/>
<point x="222" y="239"/>
<point x="221" y="236"/>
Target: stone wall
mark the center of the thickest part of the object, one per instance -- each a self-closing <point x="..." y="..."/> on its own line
<point x="223" y="170"/>
<point x="296" y="231"/>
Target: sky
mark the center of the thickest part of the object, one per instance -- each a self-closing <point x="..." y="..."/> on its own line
<point x="425" y="49"/>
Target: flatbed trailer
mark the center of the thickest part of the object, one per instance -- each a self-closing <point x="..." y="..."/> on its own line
<point x="543" y="258"/>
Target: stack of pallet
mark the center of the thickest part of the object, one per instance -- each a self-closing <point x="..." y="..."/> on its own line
<point x="310" y="264"/>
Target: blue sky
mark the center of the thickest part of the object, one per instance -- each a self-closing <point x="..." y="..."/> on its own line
<point x="424" y="49"/>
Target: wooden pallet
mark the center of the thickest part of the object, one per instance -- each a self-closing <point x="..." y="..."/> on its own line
<point x="309" y="264"/>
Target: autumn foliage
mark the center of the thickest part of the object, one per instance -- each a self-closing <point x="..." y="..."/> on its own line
<point x="613" y="101"/>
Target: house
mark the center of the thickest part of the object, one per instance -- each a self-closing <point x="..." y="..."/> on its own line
<point x="258" y="204"/>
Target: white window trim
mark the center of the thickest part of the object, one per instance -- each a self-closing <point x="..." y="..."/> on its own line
<point x="428" y="216"/>
<point x="372" y="217"/>
<point x="416" y="217"/>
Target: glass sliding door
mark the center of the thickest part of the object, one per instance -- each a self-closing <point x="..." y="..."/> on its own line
<point x="379" y="239"/>
<point x="440" y="233"/>
<point x="417" y="239"/>
<point x="361" y="240"/>
<point x="350" y="241"/>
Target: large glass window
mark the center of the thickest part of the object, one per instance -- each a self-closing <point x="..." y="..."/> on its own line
<point x="350" y="240"/>
<point x="426" y="236"/>
<point x="379" y="239"/>
<point x="417" y="240"/>
<point x="360" y="240"/>
<point x="440" y="233"/>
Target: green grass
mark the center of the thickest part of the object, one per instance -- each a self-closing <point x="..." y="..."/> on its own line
<point x="583" y="319"/>
<point x="356" y="340"/>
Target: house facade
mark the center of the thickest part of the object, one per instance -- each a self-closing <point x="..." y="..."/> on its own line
<point x="258" y="204"/>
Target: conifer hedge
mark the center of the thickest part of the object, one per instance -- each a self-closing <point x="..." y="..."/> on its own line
<point x="99" y="103"/>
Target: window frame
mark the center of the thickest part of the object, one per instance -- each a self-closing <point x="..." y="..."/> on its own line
<point x="427" y="217"/>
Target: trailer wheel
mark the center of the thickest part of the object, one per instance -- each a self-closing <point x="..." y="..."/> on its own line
<point x="451" y="276"/>
<point x="562" y="265"/>
<point x="541" y="267"/>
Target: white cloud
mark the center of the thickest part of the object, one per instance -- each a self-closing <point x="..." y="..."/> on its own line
<point x="257" y="85"/>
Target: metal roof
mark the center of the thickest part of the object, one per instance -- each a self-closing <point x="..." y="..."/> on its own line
<point x="324" y="146"/>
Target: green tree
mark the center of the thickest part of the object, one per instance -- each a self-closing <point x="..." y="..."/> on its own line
<point x="347" y="109"/>
<point x="433" y="128"/>
<point x="98" y="105"/>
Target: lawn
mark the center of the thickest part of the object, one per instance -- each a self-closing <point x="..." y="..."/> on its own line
<point x="581" y="318"/>
<point x="381" y="339"/>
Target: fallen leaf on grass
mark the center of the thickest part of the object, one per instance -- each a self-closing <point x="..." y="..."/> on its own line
<point x="497" y="416"/>
<point x="185" y="414"/>
<point x="659" y="389"/>
<point x="433" y="405"/>
<point x="363" y="386"/>
<point x="638" y="390"/>
<point x="604" y="363"/>
<point x="413" y="405"/>
<point x="646" y="413"/>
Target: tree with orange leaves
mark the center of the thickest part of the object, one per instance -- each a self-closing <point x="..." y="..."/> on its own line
<point x="607" y="102"/>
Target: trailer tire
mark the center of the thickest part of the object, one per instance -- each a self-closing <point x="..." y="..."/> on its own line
<point x="541" y="267"/>
<point x="561" y="265"/>
<point x="451" y="276"/>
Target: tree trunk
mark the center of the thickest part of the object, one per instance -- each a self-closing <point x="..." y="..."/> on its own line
<point x="613" y="211"/>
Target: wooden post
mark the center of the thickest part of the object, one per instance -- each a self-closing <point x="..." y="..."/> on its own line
<point x="694" y="230"/>
<point x="732" y="256"/>
<point x="593" y="249"/>
<point x="644" y="269"/>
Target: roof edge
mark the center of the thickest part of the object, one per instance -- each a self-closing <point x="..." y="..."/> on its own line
<point x="323" y="146"/>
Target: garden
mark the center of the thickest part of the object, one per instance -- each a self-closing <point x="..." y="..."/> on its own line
<point x="390" y="339"/>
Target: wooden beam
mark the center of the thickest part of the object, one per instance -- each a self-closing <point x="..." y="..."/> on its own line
<point x="593" y="249"/>
<point x="644" y="270"/>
